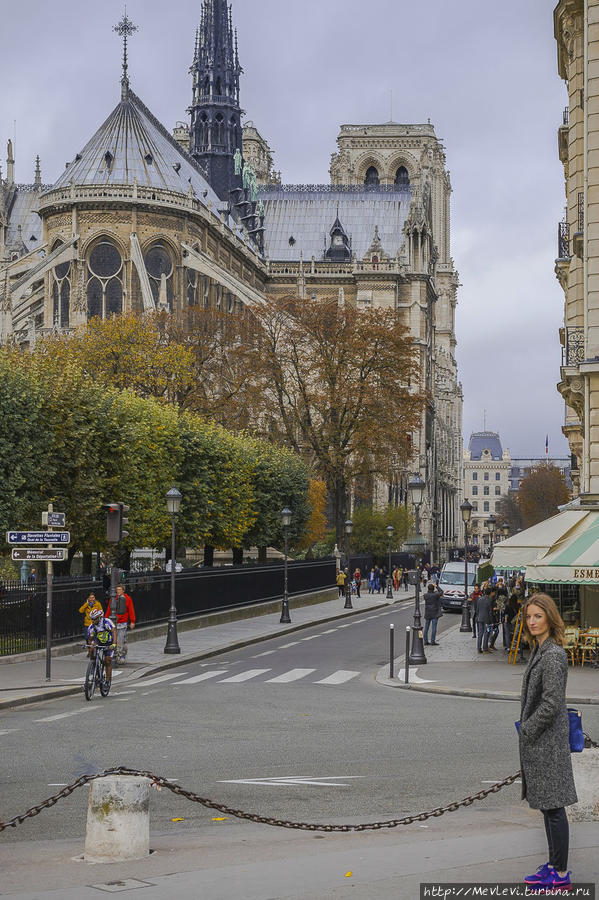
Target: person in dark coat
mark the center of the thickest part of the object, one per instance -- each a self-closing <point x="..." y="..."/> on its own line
<point x="432" y="612"/>
<point x="484" y="619"/>
<point x="547" y="779"/>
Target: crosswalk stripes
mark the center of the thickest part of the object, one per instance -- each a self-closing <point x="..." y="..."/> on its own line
<point x="203" y="677"/>
<point x="339" y="677"/>
<point x="292" y="675"/>
<point x="243" y="676"/>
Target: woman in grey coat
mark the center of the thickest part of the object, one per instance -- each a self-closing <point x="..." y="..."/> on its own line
<point x="547" y="779"/>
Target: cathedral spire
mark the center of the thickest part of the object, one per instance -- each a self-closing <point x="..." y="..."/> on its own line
<point x="215" y="132"/>
<point x="38" y="173"/>
<point x="125" y="28"/>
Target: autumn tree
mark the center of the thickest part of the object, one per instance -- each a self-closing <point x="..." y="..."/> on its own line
<point x="316" y="526"/>
<point x="508" y="510"/>
<point x="337" y="385"/>
<point x="541" y="493"/>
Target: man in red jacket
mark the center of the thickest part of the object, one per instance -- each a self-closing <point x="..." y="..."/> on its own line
<point x="123" y="613"/>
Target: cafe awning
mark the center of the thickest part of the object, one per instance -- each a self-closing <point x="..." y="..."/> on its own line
<point x="563" y="549"/>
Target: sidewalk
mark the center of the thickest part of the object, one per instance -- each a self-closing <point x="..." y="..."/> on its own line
<point x="454" y="667"/>
<point x="25" y="682"/>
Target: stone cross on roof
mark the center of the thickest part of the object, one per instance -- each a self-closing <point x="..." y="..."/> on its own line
<point x="125" y="28"/>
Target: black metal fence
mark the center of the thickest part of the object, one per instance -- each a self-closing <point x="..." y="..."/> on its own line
<point x="23" y="607"/>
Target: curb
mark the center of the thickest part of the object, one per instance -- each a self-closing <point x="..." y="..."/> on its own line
<point x="470" y="692"/>
<point x="184" y="659"/>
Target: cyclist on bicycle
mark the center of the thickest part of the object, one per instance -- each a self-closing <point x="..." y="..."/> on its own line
<point x="101" y="633"/>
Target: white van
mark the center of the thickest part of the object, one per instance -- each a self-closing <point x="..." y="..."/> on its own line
<point x="451" y="582"/>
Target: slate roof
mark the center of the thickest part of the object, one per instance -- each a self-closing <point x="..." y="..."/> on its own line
<point x="485" y="440"/>
<point x="140" y="148"/>
<point x="307" y="213"/>
<point x="23" y="212"/>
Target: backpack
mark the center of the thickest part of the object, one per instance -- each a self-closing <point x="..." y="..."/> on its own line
<point x="121" y="604"/>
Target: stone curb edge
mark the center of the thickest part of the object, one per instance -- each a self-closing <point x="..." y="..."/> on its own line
<point x="184" y="659"/>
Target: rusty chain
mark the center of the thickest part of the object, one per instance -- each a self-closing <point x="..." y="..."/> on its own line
<point x="160" y="782"/>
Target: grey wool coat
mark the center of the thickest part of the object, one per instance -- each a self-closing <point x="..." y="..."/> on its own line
<point x="547" y="779"/>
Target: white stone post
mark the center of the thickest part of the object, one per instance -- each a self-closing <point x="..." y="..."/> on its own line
<point x="118" y="819"/>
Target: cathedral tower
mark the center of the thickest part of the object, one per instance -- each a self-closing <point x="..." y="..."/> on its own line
<point x="215" y="132"/>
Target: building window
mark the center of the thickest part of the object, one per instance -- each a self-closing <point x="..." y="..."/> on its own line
<point x="497" y="490"/>
<point x="160" y="270"/>
<point x="486" y="476"/>
<point x="104" y="281"/>
<point x="372" y="176"/>
<point x="475" y="506"/>
<point x="475" y="476"/>
<point x="497" y="507"/>
<point x="486" y="506"/>
<point x="486" y="490"/>
<point x="402" y="179"/>
<point x="497" y="476"/>
<point x="475" y="489"/>
<point x="61" y="293"/>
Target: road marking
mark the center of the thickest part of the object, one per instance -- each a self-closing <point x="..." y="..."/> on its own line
<point x="203" y="677"/>
<point x="286" y="780"/>
<point x="284" y="646"/>
<point x="329" y="631"/>
<point x="338" y="677"/>
<point x="159" y="680"/>
<point x="58" y="784"/>
<point x="347" y="624"/>
<point x="9" y="730"/>
<point x="266" y="653"/>
<point x="311" y="638"/>
<point x="74" y="712"/>
<point x="243" y="676"/>
<point x="291" y="675"/>
<point x="413" y="677"/>
<point x="121" y="693"/>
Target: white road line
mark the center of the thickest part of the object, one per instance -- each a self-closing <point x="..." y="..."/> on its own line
<point x="9" y="730"/>
<point x="243" y="676"/>
<point x="311" y="638"/>
<point x="58" y="784"/>
<point x="347" y="624"/>
<point x="292" y="644"/>
<point x="160" y="679"/>
<point x="74" y="712"/>
<point x="266" y="653"/>
<point x="338" y="677"/>
<point x="291" y="675"/>
<point x="121" y="693"/>
<point x="329" y="631"/>
<point x="203" y="677"/>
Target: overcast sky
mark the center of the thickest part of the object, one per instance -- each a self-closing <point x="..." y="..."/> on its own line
<point x="483" y="72"/>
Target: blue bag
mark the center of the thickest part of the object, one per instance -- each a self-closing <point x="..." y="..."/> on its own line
<point x="576" y="732"/>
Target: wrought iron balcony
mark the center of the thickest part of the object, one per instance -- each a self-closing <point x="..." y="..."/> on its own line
<point x="563" y="240"/>
<point x="573" y="352"/>
<point x="580" y="211"/>
<point x="566" y="117"/>
<point x="578" y="236"/>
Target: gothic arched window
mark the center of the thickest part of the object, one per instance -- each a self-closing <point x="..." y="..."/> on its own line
<point x="218" y="87"/>
<point x="402" y="178"/>
<point x="219" y="130"/>
<point x="104" y="281"/>
<point x="372" y="176"/>
<point x="159" y="267"/>
<point x="191" y="286"/>
<point x="61" y="292"/>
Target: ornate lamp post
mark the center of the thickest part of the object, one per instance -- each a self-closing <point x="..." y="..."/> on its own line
<point x="506" y="530"/>
<point x="349" y="525"/>
<point x="416" y="545"/>
<point x="491" y="523"/>
<point x="466" y="511"/>
<point x="173" y="505"/>
<point x="390" y="529"/>
<point x="286" y="522"/>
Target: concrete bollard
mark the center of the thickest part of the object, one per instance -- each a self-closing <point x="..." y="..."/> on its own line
<point x="586" y="778"/>
<point x="118" y="819"/>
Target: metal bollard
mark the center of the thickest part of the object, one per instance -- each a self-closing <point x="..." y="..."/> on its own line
<point x="391" y="649"/>
<point x="407" y="662"/>
<point x="118" y="819"/>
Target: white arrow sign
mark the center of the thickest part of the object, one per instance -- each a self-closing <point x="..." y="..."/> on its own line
<point x="294" y="779"/>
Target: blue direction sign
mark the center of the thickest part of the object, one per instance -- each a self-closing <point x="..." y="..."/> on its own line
<point x="38" y="537"/>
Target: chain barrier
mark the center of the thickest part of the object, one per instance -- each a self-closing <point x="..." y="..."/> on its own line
<point x="159" y="782"/>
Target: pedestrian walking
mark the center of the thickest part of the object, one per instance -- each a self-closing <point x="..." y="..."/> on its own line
<point x="405" y="578"/>
<point x="371" y="581"/>
<point x="432" y="613"/>
<point x="396" y="578"/>
<point x="121" y="610"/>
<point x="341" y="577"/>
<point x="484" y="618"/>
<point x="358" y="581"/>
<point x="476" y="592"/>
<point x="547" y="778"/>
<point x="90" y="603"/>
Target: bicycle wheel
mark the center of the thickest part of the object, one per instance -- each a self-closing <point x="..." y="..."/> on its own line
<point x="90" y="679"/>
<point x="104" y="682"/>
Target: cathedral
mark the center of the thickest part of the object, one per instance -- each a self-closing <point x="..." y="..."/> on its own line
<point x="143" y="218"/>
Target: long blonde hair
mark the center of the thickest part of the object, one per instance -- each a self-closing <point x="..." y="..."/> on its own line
<point x="554" y="620"/>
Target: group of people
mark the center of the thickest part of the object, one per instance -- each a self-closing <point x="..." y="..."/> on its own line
<point x="495" y="605"/>
<point x="108" y="629"/>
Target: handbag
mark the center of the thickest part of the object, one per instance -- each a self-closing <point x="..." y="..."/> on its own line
<point x="576" y="732"/>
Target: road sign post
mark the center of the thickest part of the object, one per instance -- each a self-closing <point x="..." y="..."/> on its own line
<point x="38" y="537"/>
<point x="38" y="554"/>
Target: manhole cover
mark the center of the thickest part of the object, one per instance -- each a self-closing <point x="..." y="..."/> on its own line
<point x="129" y="884"/>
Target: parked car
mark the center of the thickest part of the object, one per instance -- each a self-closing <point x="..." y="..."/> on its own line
<point x="451" y="582"/>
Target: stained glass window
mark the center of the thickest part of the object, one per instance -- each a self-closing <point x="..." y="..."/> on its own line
<point x="372" y="176"/>
<point x="104" y="281"/>
<point x="159" y="267"/>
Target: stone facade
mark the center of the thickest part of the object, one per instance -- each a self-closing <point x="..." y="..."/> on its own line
<point x="487" y="469"/>
<point x="259" y="155"/>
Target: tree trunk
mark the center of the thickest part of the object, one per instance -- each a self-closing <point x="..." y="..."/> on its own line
<point x="208" y="555"/>
<point x="261" y="554"/>
<point x="338" y="491"/>
<point x="237" y="556"/>
<point x="86" y="564"/>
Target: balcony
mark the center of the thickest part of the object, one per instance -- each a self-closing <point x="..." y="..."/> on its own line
<point x="573" y="349"/>
<point x="562" y="137"/>
<point x="578" y="236"/>
<point x="563" y="241"/>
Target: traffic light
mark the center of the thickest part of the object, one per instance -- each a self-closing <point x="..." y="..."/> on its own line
<point x="113" y="522"/>
<point x="123" y="520"/>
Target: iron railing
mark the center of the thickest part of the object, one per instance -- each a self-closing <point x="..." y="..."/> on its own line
<point x="580" y="212"/>
<point x="23" y="607"/>
<point x="566" y="116"/>
<point x="573" y="351"/>
<point x="563" y="240"/>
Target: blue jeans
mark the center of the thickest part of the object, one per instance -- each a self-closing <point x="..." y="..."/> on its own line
<point x="427" y="624"/>
<point x="482" y="636"/>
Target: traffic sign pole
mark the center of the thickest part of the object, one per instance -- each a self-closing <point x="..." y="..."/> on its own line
<point x="49" y="575"/>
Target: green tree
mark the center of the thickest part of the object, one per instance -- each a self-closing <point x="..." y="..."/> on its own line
<point x="369" y="533"/>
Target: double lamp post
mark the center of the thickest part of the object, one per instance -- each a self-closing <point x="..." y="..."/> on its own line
<point x="417" y="546"/>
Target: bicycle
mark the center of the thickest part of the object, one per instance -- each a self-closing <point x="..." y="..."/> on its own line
<point x="96" y="675"/>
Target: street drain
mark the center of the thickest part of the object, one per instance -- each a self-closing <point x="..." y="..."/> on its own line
<point x="129" y="884"/>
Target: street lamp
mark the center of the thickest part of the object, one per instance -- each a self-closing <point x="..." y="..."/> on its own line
<point x="490" y="523"/>
<point x="416" y="544"/>
<point x="349" y="525"/>
<point x="173" y="505"/>
<point x="506" y="530"/>
<point x="390" y="529"/>
<point x="286" y="522"/>
<point x="466" y="511"/>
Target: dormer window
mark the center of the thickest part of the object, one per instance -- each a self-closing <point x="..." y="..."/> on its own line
<point x="177" y="167"/>
<point x="149" y="158"/>
<point x="108" y="159"/>
<point x="292" y="241"/>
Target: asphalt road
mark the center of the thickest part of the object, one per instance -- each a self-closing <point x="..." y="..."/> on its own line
<point x="295" y="728"/>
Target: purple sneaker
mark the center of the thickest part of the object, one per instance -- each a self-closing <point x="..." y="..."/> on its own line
<point x="557" y="882"/>
<point x="541" y="877"/>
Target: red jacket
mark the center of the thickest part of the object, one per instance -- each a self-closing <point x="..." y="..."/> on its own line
<point x="128" y="616"/>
